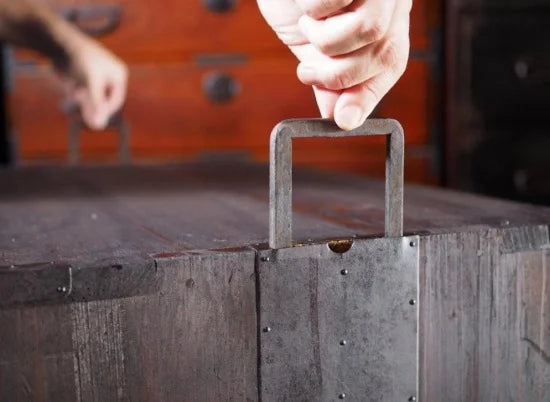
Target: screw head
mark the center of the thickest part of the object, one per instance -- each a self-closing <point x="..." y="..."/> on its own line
<point x="412" y="302"/>
<point x="412" y="244"/>
<point x="342" y="396"/>
<point x="412" y="399"/>
<point x="62" y="289"/>
<point x="264" y="259"/>
<point x="267" y="329"/>
<point x="343" y="342"/>
<point x="344" y="272"/>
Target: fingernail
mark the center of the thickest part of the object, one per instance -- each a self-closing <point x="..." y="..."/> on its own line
<point x="350" y="117"/>
<point x="307" y="74"/>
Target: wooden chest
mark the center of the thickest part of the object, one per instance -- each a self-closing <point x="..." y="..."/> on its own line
<point x="157" y="284"/>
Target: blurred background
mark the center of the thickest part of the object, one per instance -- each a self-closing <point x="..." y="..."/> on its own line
<point x="209" y="80"/>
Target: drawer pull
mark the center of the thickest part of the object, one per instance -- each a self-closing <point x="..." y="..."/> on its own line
<point x="220" y="87"/>
<point x="219" y="6"/>
<point x="94" y="20"/>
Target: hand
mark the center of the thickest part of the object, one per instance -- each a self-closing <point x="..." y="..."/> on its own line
<point x="96" y="80"/>
<point x="351" y="51"/>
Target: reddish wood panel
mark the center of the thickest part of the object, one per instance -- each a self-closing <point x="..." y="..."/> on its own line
<point x="189" y="123"/>
<point x="171" y="30"/>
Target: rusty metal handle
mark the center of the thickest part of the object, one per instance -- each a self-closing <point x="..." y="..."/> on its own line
<point x="76" y="125"/>
<point x="94" y="20"/>
<point x="280" y="171"/>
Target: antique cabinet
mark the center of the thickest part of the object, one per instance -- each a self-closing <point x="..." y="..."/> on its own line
<point x="210" y="77"/>
<point x="160" y="283"/>
<point x="498" y="92"/>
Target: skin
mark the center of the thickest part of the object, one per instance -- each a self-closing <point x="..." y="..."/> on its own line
<point x="351" y="51"/>
<point x="94" y="78"/>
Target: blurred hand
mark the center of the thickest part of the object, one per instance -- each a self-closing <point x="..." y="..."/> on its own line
<point x="351" y="51"/>
<point x="96" y="80"/>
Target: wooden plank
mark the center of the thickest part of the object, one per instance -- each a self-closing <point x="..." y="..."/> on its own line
<point x="101" y="216"/>
<point x="194" y="339"/>
<point x="483" y="330"/>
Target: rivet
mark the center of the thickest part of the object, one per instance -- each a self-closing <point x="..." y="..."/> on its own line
<point x="12" y="266"/>
<point x="267" y="329"/>
<point x="505" y="223"/>
<point x="264" y="259"/>
<point x="412" y="244"/>
<point x="343" y="342"/>
<point x="62" y="289"/>
<point x="344" y="272"/>
<point x="342" y="396"/>
<point x="412" y="302"/>
<point x="412" y="399"/>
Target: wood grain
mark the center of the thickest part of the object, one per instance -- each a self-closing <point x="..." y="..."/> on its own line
<point x="484" y="334"/>
<point x="193" y="340"/>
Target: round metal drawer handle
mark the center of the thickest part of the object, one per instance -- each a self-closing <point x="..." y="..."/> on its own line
<point x="220" y="87"/>
<point x="219" y="6"/>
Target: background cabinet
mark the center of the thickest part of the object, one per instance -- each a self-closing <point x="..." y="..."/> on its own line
<point x="498" y="93"/>
<point x="210" y="77"/>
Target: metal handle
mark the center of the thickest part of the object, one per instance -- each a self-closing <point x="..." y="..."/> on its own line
<point x="76" y="124"/>
<point x="220" y="87"/>
<point x="280" y="171"/>
<point x="219" y="6"/>
<point x="94" y="20"/>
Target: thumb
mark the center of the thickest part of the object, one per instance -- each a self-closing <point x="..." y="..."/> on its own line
<point x="355" y="104"/>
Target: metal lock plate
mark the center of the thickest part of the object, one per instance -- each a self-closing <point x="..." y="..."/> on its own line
<point x="337" y="324"/>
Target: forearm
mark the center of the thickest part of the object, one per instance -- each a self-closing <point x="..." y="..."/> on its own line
<point x="30" y="24"/>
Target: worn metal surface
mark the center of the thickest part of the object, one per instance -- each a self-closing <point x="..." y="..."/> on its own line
<point x="335" y="324"/>
<point x="280" y="171"/>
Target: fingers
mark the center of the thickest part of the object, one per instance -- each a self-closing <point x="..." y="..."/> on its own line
<point x="363" y="23"/>
<point x="326" y="100"/>
<point x="322" y="8"/>
<point x="101" y="98"/>
<point x="355" y="104"/>
<point x="344" y="72"/>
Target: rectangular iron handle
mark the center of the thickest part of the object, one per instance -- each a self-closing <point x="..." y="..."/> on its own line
<point x="280" y="171"/>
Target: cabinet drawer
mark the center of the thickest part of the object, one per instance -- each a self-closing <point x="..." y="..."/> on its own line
<point x="140" y="30"/>
<point x="174" y="110"/>
<point x="184" y="110"/>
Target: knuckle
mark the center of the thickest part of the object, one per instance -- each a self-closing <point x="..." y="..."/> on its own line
<point x="389" y="54"/>
<point x="324" y="44"/>
<point x="373" y="32"/>
<point x="338" y="79"/>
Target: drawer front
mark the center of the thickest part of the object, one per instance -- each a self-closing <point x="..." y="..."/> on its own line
<point x="511" y="82"/>
<point x="139" y="30"/>
<point x="186" y="110"/>
<point x="173" y="110"/>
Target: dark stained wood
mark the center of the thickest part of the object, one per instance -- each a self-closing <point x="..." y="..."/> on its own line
<point x="484" y="335"/>
<point x="100" y="216"/>
<point x="149" y="316"/>
<point x="193" y="340"/>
